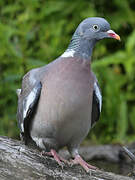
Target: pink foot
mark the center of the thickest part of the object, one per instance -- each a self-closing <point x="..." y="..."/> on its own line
<point x="85" y="165"/>
<point x="57" y="158"/>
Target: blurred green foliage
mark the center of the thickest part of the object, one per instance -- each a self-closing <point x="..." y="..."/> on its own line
<point x="35" y="32"/>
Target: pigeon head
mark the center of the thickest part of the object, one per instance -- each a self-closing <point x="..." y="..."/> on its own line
<point x="86" y="35"/>
<point x="95" y="29"/>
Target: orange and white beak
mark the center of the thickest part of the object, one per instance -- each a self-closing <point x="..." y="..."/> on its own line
<point x="112" y="34"/>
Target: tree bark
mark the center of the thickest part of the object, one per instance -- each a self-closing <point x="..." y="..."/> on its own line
<point x="19" y="162"/>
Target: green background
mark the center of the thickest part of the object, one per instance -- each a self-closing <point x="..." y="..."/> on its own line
<point x="35" y="32"/>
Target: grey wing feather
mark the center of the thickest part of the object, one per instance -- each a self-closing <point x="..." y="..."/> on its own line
<point x="31" y="100"/>
<point x="27" y="102"/>
<point x="96" y="104"/>
<point x="27" y="108"/>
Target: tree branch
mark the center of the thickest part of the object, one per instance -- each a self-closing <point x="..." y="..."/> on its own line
<point x="19" y="162"/>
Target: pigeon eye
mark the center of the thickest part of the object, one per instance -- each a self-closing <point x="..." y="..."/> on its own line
<point x="95" y="27"/>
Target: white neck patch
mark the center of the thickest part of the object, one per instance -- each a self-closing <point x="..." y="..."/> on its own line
<point x="68" y="53"/>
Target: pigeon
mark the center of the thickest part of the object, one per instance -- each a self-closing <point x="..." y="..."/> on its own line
<point x="59" y="103"/>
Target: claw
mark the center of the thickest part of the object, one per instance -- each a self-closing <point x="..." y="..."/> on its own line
<point x="46" y="153"/>
<point x="77" y="160"/>
<point x="85" y="165"/>
<point x="56" y="156"/>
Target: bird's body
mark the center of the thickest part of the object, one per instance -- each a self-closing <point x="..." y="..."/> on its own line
<point x="55" y="116"/>
<point x="60" y="102"/>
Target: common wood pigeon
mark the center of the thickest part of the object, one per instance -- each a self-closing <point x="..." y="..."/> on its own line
<point x="59" y="103"/>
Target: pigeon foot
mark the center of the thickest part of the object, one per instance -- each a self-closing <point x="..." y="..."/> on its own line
<point x="56" y="156"/>
<point x="78" y="160"/>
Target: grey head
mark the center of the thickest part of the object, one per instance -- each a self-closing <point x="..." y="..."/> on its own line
<point x="87" y="34"/>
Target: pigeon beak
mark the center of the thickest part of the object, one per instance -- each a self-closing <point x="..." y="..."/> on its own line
<point x="112" y="34"/>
